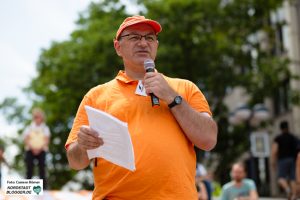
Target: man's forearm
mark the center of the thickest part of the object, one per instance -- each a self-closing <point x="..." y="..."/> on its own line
<point x="253" y="195"/>
<point x="199" y="128"/>
<point x="77" y="157"/>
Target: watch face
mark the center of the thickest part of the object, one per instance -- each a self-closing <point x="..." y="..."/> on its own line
<point x="178" y="99"/>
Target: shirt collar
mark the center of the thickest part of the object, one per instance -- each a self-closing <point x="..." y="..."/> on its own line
<point x="124" y="78"/>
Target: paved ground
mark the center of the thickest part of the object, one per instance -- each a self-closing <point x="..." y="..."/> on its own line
<point x="51" y="195"/>
<point x="64" y="195"/>
<point x="272" y="198"/>
<point x="261" y="198"/>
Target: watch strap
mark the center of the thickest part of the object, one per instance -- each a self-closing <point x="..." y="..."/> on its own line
<point x="174" y="103"/>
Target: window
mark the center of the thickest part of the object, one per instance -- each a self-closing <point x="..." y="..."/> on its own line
<point x="282" y="98"/>
<point x="278" y="22"/>
<point x="298" y="16"/>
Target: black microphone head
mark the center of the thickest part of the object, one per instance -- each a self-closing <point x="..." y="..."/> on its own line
<point x="149" y="65"/>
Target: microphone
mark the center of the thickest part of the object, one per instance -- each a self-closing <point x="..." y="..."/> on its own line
<point x="149" y="67"/>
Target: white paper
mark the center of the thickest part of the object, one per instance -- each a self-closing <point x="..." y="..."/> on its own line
<point x="117" y="147"/>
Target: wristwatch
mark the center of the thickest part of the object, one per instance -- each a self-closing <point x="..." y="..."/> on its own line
<point x="177" y="101"/>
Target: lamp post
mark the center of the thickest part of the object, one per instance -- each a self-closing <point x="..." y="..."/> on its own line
<point x="252" y="117"/>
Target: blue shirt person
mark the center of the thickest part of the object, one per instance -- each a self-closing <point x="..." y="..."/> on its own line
<point x="239" y="188"/>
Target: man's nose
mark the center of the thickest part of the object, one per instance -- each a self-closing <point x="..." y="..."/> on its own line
<point x="143" y="42"/>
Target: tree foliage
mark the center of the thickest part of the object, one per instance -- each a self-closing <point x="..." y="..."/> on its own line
<point x="217" y="45"/>
<point x="213" y="43"/>
<point x="67" y="70"/>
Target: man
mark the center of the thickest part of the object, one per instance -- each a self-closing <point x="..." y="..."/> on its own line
<point x="36" y="136"/>
<point x="203" y="190"/>
<point x="203" y="176"/>
<point x="284" y="150"/>
<point x="239" y="188"/>
<point x="163" y="136"/>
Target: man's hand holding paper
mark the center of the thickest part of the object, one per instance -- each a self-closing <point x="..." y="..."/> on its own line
<point x="89" y="138"/>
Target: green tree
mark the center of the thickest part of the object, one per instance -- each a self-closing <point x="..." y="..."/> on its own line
<point x="66" y="71"/>
<point x="212" y="43"/>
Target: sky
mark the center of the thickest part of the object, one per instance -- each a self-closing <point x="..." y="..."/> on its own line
<point x="27" y="26"/>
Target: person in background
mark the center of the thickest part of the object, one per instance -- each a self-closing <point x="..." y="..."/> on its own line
<point x="201" y="189"/>
<point x="239" y="188"/>
<point x="36" y="136"/>
<point x="203" y="176"/>
<point x="298" y="176"/>
<point x="284" y="152"/>
<point x="2" y="159"/>
<point x="297" y="171"/>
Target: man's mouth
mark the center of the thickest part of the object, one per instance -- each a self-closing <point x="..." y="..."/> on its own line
<point x="142" y="51"/>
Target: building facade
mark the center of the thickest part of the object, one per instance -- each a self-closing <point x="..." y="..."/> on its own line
<point x="284" y="105"/>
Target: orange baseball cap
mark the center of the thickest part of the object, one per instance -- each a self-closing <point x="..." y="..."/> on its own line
<point x="137" y="19"/>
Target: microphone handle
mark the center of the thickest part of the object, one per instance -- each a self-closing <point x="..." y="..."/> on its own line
<point x="154" y="99"/>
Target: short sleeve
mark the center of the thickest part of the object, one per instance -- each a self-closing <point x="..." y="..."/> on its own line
<point x="196" y="99"/>
<point x="251" y="185"/>
<point x="224" y="194"/>
<point x="80" y="120"/>
<point x="26" y="132"/>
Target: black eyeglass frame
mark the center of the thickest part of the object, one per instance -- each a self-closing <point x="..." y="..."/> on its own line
<point x="140" y="36"/>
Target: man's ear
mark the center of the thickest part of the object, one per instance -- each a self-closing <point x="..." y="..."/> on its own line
<point x="117" y="47"/>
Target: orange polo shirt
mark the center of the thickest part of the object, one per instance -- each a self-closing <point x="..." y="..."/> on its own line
<point x="165" y="159"/>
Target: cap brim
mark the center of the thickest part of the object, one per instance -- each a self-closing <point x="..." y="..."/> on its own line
<point x="155" y="25"/>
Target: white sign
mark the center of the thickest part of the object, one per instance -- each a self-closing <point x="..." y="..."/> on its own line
<point x="24" y="187"/>
<point x="260" y="145"/>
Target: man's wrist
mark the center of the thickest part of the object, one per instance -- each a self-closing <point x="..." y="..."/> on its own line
<point x="176" y="101"/>
<point x="170" y="99"/>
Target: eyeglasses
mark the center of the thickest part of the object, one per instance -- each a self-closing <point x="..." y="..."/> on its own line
<point x="137" y="37"/>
